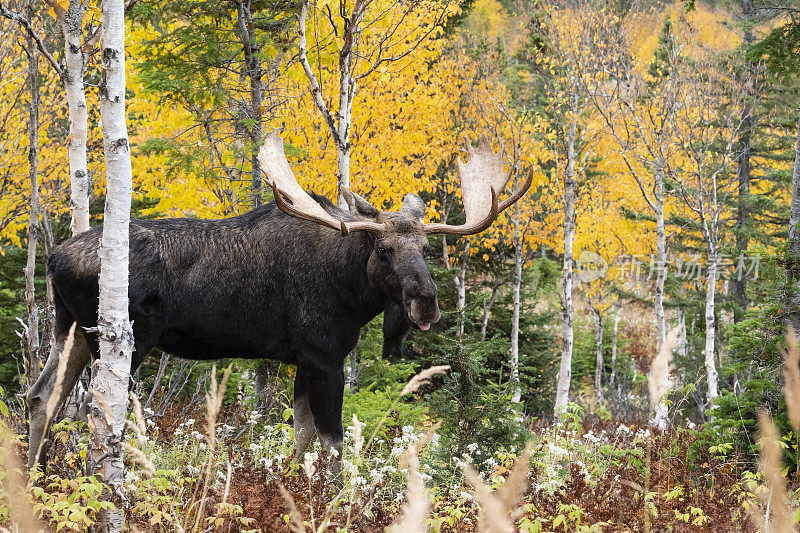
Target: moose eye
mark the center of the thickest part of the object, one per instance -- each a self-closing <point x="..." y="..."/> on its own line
<point x="383" y="251"/>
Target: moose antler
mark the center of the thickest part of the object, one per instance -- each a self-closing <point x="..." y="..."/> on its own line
<point x="482" y="180"/>
<point x="290" y="196"/>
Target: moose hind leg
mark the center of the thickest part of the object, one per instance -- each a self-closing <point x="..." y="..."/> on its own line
<point x="39" y="395"/>
<point x="304" y="430"/>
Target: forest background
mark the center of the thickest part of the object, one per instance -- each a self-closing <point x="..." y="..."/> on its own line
<point x="661" y="139"/>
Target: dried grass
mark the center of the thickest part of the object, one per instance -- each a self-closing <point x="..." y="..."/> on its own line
<point x="791" y="377"/>
<point x="499" y="510"/>
<point x="778" y="516"/>
<point x="52" y="401"/>
<point x="358" y="437"/>
<point x="22" y="513"/>
<point x="214" y="400"/>
<point x="418" y="503"/>
<point x="141" y="458"/>
<point x="137" y="424"/>
<point x="295" y="518"/>
<point x="423" y="378"/>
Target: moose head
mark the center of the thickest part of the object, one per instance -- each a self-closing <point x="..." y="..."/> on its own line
<point x="396" y="265"/>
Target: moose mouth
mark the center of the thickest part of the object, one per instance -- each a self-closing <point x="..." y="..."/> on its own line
<point x="422" y="314"/>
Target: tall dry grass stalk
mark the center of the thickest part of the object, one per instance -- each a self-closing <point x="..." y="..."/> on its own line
<point x="499" y="510"/>
<point x="418" y="503"/>
<point x="213" y="405"/>
<point x="295" y="518"/>
<point x="791" y="377"/>
<point x="423" y="378"/>
<point x="23" y="518"/>
<point x="778" y="515"/>
<point x="52" y="401"/>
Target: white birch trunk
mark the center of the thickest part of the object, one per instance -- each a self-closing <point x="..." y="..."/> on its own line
<point x="793" y="249"/>
<point x="78" y="117"/>
<point x="613" y="378"/>
<point x="661" y="411"/>
<point x="518" y="260"/>
<point x="599" y="362"/>
<point x="111" y="374"/>
<point x="661" y="258"/>
<point x="461" y="287"/>
<point x="32" y="362"/>
<point x="565" y="371"/>
<point x="709" y="352"/>
<point x="487" y="307"/>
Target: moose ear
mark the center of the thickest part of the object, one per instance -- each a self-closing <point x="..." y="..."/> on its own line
<point x="395" y="327"/>
<point x="413" y="207"/>
<point x="358" y="206"/>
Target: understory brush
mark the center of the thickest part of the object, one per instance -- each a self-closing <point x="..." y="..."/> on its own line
<point x="586" y="473"/>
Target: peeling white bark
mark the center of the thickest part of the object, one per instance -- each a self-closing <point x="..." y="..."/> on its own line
<point x="565" y="371"/>
<point x="793" y="251"/>
<point x="711" y="289"/>
<point x="516" y="386"/>
<point x="612" y="380"/>
<point x="599" y="362"/>
<point x="461" y="287"/>
<point x="32" y="362"/>
<point x="111" y="373"/>
<point x="78" y="117"/>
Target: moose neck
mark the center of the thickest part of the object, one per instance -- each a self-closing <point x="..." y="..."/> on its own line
<point x="354" y="251"/>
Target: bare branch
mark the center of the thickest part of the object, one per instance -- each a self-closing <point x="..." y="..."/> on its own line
<point x="316" y="92"/>
<point x="26" y="24"/>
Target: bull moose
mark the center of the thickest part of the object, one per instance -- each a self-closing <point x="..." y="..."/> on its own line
<point x="293" y="281"/>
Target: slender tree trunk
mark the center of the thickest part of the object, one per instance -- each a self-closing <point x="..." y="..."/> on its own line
<point x="487" y="306"/>
<point x="743" y="175"/>
<point x="709" y="352"/>
<point x="445" y="253"/>
<point x="112" y="371"/>
<point x="661" y="411"/>
<point x="599" y="363"/>
<point x="661" y="259"/>
<point x="78" y="116"/>
<point x="518" y="261"/>
<point x="565" y="372"/>
<point x="76" y="146"/>
<point x="254" y="73"/>
<point x="683" y="341"/>
<point x="613" y="378"/>
<point x="32" y="334"/>
<point x="793" y="248"/>
<point x="461" y="286"/>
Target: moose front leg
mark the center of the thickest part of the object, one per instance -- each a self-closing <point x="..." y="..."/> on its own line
<point x="325" y="396"/>
<point x="39" y="395"/>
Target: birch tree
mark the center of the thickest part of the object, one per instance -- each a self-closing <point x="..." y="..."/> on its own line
<point x="639" y="112"/>
<point x="614" y="338"/>
<point x="711" y="114"/>
<point x="71" y="22"/>
<point x="111" y="373"/>
<point x="569" y="32"/>
<point x="372" y="36"/>
<point x="32" y="361"/>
